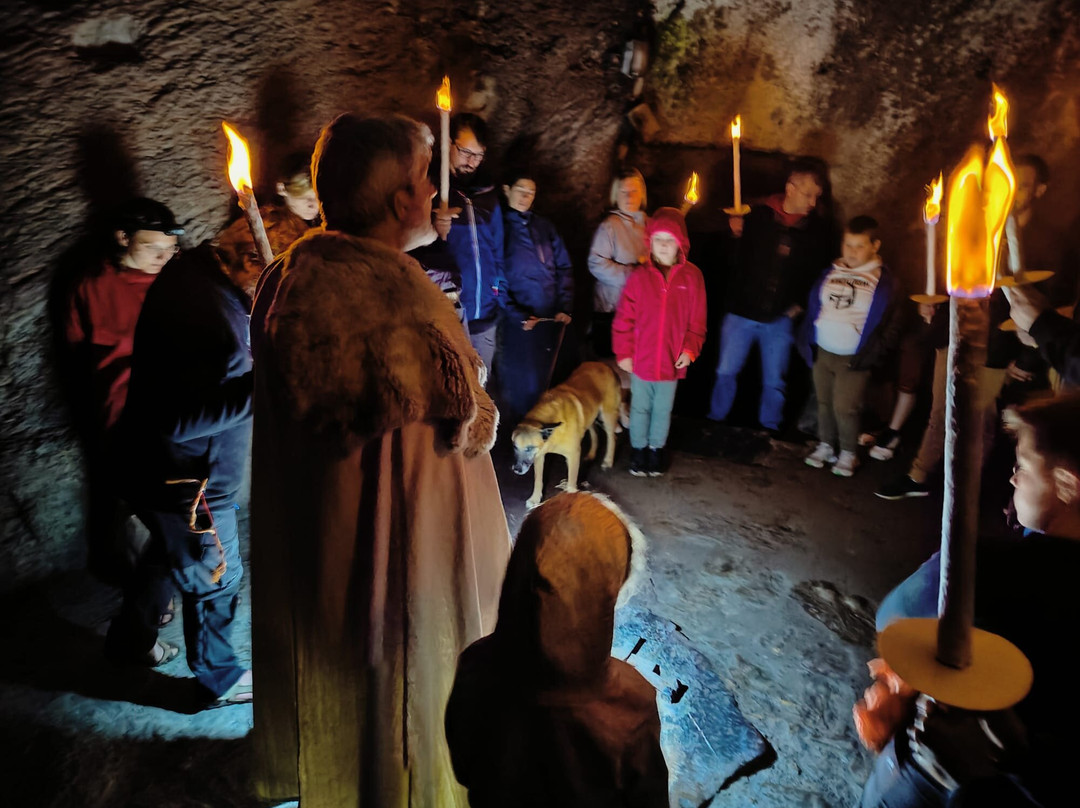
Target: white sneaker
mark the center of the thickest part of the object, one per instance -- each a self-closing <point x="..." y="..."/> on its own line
<point x="820" y="456"/>
<point x="845" y="464"/>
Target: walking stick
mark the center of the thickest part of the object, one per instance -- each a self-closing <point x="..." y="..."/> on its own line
<point x="555" y="356"/>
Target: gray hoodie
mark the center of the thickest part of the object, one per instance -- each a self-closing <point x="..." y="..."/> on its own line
<point x="616" y="251"/>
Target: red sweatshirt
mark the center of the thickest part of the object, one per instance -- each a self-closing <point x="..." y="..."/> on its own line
<point x="101" y="320"/>
<point x="658" y="318"/>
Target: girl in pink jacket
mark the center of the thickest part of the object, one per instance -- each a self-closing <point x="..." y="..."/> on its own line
<point x="658" y="331"/>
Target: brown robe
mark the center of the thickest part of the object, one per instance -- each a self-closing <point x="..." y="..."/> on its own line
<point x="541" y="715"/>
<point x="379" y="540"/>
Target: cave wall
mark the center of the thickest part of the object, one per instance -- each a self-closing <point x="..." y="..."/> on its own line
<point x="887" y="94"/>
<point x="103" y="99"/>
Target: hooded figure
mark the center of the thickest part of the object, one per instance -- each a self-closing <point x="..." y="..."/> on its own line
<point x="540" y="713"/>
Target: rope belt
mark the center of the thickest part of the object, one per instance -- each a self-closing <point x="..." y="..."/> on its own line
<point x="193" y="517"/>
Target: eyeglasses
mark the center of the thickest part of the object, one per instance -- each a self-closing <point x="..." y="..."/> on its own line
<point x="469" y="154"/>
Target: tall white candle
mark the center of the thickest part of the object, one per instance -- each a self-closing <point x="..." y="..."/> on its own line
<point x="931" y="272"/>
<point x="736" y="136"/>
<point x="443" y="101"/>
<point x="1012" y="240"/>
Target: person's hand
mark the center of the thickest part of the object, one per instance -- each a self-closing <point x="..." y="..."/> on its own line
<point x="683" y="361"/>
<point x="1026" y="303"/>
<point x="530" y="324"/>
<point x="1015" y="374"/>
<point x="736" y="225"/>
<point x="794" y="311"/>
<point x="562" y="317"/>
<point x="927" y="311"/>
<point x="442" y="219"/>
<point x="627" y="364"/>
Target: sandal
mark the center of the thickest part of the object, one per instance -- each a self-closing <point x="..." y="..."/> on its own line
<point x="239" y="693"/>
<point x="169" y="613"/>
<point x="161" y="654"/>
<point x="886" y="450"/>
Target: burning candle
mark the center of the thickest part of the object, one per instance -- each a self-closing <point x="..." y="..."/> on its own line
<point x="736" y="136"/>
<point x="949" y="659"/>
<point x="931" y="214"/>
<point x="240" y="177"/>
<point x="443" y="101"/>
<point x="981" y="192"/>
<point x="998" y="127"/>
<point x="691" y="197"/>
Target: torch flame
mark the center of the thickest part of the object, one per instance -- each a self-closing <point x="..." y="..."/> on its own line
<point x="736" y="128"/>
<point x="932" y="208"/>
<point x="442" y="97"/>
<point x="980" y="198"/>
<point x="239" y="161"/>
<point x="998" y="122"/>
<point x="692" y="195"/>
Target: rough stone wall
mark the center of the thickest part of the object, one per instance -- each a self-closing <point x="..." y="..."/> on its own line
<point x="103" y="99"/>
<point x="887" y="94"/>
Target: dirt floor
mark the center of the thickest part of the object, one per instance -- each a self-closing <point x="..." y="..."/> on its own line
<point x="771" y="568"/>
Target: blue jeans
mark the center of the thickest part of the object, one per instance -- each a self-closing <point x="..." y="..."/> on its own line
<point x="650" y="412"/>
<point x="482" y="337"/>
<point x="915" y="596"/>
<point x="737" y="337"/>
<point x="189" y="559"/>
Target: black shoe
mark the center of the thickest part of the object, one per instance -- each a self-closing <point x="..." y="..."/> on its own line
<point x="639" y="462"/>
<point x="903" y="488"/>
<point x="654" y="462"/>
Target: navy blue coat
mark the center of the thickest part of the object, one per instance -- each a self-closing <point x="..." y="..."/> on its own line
<point x="539" y="277"/>
<point x="476" y="242"/>
<point x="188" y="413"/>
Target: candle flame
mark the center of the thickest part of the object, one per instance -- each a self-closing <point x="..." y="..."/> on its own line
<point x="932" y="208"/>
<point x="736" y="128"/>
<point x="998" y="122"/>
<point x="239" y="160"/>
<point x="980" y="198"/>
<point x="442" y="97"/>
<point x="692" y="194"/>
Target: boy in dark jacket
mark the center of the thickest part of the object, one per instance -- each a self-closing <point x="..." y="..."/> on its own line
<point x="851" y="323"/>
<point x="187" y="429"/>
<point x="539" y="299"/>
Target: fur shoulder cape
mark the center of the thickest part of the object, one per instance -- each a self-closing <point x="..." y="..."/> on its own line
<point x="364" y="343"/>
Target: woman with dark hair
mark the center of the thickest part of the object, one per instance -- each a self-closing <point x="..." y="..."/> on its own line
<point x="540" y="297"/>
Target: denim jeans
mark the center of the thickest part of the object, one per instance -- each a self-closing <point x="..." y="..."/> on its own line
<point x="209" y="607"/>
<point x="737" y="336"/>
<point x="483" y="340"/>
<point x="650" y="412"/>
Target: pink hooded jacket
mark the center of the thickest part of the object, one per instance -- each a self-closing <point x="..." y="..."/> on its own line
<point x="658" y="319"/>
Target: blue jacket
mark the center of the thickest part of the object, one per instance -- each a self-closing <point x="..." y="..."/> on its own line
<point x="539" y="277"/>
<point x="188" y="413"/>
<point x="476" y="243"/>
<point x="879" y="334"/>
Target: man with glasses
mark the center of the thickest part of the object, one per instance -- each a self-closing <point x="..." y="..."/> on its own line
<point x="476" y="239"/>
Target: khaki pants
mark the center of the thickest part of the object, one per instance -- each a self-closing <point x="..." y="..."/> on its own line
<point x="932" y="448"/>
<point x="840" y="392"/>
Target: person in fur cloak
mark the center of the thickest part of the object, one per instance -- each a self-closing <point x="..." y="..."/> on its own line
<point x="379" y="540"/>
<point x="541" y="714"/>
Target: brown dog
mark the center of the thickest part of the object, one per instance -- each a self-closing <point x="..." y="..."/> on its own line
<point x="559" y="421"/>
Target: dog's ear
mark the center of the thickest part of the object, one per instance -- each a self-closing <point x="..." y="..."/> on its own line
<point x="547" y="429"/>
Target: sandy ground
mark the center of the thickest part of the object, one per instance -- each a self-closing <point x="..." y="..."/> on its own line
<point x="771" y="568"/>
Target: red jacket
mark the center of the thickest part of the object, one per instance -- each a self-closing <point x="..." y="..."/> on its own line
<point x="658" y="319"/>
<point x="101" y="325"/>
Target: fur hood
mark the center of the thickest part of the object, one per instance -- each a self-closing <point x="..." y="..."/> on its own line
<point x="364" y="343"/>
